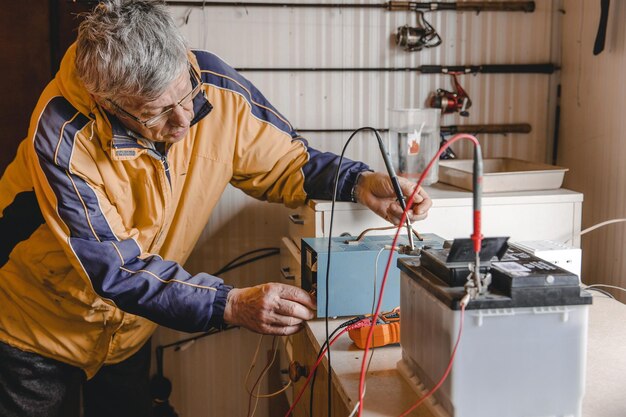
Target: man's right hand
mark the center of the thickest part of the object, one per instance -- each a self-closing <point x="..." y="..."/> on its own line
<point x="270" y="308"/>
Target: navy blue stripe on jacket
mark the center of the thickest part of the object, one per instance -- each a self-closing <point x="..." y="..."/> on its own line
<point x="161" y="291"/>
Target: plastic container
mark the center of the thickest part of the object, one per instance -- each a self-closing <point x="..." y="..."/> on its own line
<point x="511" y="362"/>
<point x="503" y="174"/>
<point x="414" y="141"/>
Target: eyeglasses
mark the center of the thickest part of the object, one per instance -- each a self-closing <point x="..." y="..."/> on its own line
<point x="159" y="118"/>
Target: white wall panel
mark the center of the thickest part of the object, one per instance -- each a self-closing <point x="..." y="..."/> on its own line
<point x="307" y="37"/>
<point x="284" y="37"/>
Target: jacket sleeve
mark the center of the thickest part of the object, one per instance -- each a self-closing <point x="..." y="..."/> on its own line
<point x="271" y="160"/>
<point x="105" y="252"/>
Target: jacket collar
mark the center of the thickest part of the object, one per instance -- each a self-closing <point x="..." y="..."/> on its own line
<point x="124" y="143"/>
<point x="114" y="136"/>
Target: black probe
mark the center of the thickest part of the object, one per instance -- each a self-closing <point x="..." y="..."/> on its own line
<point x="396" y="187"/>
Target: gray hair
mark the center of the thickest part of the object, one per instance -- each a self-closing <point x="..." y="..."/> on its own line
<point x="129" y="49"/>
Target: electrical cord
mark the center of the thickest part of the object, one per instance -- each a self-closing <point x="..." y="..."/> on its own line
<point x="271" y="251"/>
<point x="594" y="227"/>
<point x="253" y="363"/>
<point x="245" y="382"/>
<point x="366" y="231"/>
<point x="273" y="394"/>
<point x="260" y="377"/>
<point x="330" y="235"/>
<point x="264" y="372"/>
<point x="319" y="353"/>
<point x="603" y="292"/>
<point x="594" y="286"/>
<point x="357" y="323"/>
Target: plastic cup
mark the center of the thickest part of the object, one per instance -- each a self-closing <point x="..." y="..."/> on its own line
<point x="414" y="141"/>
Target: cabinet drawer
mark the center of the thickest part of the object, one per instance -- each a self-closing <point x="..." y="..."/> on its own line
<point x="302" y="223"/>
<point x="289" y="262"/>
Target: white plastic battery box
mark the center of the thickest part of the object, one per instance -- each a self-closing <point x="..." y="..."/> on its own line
<point x="515" y="359"/>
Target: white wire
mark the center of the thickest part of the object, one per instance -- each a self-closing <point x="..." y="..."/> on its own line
<point x="356" y="407"/>
<point x="258" y="395"/>
<point x="607" y="286"/>
<point x="596" y="226"/>
<point x="252" y="365"/>
<point x="253" y="362"/>
<point x="602" y="292"/>
<point x="375" y="279"/>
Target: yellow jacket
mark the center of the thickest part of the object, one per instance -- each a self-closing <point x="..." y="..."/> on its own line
<point x="95" y="223"/>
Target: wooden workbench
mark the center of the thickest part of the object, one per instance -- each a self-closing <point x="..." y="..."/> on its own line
<point x="388" y="394"/>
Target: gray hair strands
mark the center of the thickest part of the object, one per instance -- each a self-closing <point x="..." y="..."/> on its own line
<point x="129" y="49"/>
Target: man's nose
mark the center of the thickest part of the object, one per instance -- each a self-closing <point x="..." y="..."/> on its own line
<point x="180" y="116"/>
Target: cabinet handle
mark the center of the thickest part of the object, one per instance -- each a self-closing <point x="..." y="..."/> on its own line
<point x="296" y="219"/>
<point x="285" y="273"/>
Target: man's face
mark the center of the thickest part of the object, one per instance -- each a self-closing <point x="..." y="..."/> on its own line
<point x="170" y="128"/>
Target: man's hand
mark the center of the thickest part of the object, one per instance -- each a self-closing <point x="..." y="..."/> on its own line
<point x="375" y="191"/>
<point x="271" y="308"/>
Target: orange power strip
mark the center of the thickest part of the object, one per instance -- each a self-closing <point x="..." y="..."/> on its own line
<point x="386" y="331"/>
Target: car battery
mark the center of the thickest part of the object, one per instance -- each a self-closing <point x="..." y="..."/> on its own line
<point x="523" y="343"/>
<point x="351" y="287"/>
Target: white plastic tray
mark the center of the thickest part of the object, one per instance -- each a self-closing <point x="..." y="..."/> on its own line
<point x="503" y="174"/>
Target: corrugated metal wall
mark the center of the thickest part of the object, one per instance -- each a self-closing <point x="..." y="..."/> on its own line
<point x="301" y="37"/>
<point x="593" y="134"/>
<point x="208" y="377"/>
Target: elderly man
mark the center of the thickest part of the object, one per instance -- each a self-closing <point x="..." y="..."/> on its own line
<point x="129" y="149"/>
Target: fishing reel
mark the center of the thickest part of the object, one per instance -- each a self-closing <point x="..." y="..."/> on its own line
<point x="452" y="101"/>
<point x="423" y="35"/>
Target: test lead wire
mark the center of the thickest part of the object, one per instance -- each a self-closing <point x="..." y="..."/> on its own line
<point x="396" y="187"/>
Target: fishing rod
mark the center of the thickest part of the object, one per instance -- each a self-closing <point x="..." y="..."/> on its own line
<point x="393" y="6"/>
<point x="450" y="129"/>
<point x="428" y="69"/>
<point x="411" y="38"/>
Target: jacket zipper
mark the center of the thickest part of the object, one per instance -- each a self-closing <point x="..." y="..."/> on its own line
<point x="166" y="194"/>
<point x="163" y="168"/>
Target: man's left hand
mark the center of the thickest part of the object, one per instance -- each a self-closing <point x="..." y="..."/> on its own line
<point x="375" y="191"/>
